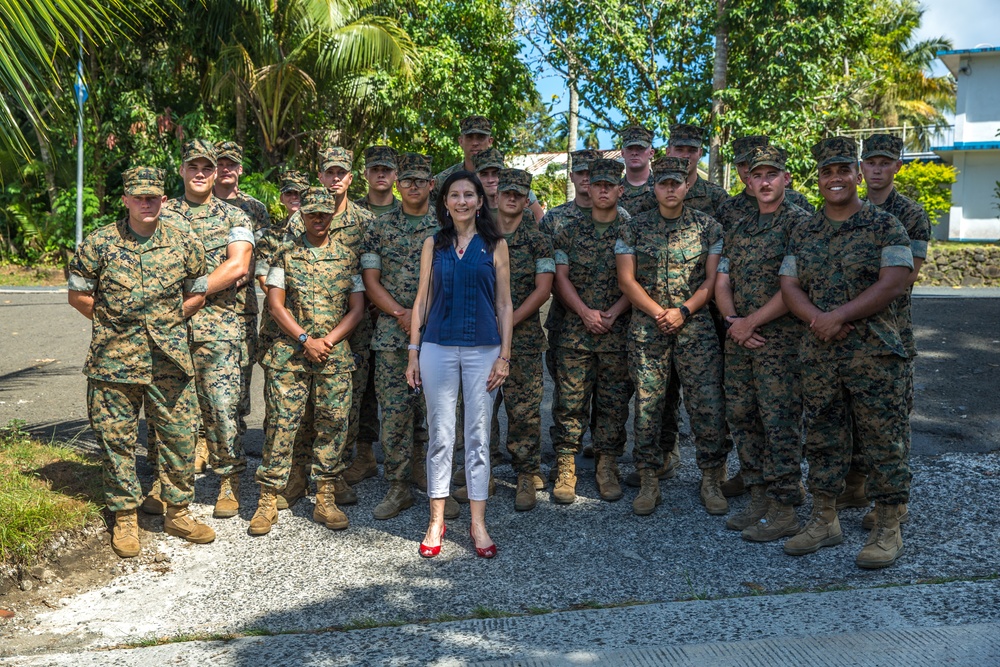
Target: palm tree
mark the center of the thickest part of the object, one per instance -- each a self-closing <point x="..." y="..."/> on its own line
<point x="280" y="55"/>
<point x="35" y="34"/>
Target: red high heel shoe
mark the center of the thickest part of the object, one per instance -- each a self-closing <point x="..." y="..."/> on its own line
<point x="430" y="552"/>
<point x="488" y="552"/>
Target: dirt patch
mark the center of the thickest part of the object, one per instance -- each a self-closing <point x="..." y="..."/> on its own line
<point x="13" y="275"/>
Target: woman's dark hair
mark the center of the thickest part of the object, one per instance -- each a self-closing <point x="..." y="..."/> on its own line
<point x="486" y="226"/>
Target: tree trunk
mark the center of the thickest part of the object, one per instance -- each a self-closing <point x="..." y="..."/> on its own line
<point x="241" y="118"/>
<point x="718" y="85"/>
<point x="572" y="124"/>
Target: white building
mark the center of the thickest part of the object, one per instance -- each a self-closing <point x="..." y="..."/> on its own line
<point x="975" y="148"/>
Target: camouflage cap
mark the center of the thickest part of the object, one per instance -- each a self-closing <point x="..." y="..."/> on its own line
<point x="636" y="135"/>
<point x="744" y="146"/>
<point x="197" y="148"/>
<point x="517" y="180"/>
<point x="490" y="158"/>
<point x="885" y="145"/>
<point x="230" y="150"/>
<point x="771" y="156"/>
<point x="608" y="171"/>
<point x="414" y="165"/>
<point x="476" y="125"/>
<point x="673" y="168"/>
<point x="143" y="181"/>
<point x="318" y="200"/>
<point x="336" y="156"/>
<point x="686" y="135"/>
<point x="582" y="159"/>
<point x="381" y="156"/>
<point x="293" y="181"/>
<point x="835" y="150"/>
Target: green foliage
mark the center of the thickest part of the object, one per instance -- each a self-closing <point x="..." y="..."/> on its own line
<point x="929" y="183"/>
<point x="550" y="187"/>
<point x="260" y="188"/>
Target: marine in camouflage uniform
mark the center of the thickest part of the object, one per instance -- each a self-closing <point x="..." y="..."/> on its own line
<point x="383" y="157"/>
<point x="672" y="261"/>
<point x="589" y="364"/>
<point x="743" y="205"/>
<point x="315" y="296"/>
<point x="637" y="198"/>
<point x="217" y="330"/>
<point x="532" y="269"/>
<point x="918" y="228"/>
<point x="853" y="360"/>
<point x="764" y="406"/>
<point x="390" y="262"/>
<point x="799" y="199"/>
<point x="134" y="288"/>
<point x="261" y="219"/>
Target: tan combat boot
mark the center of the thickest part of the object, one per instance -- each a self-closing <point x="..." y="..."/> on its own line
<point x="461" y="494"/>
<point x="780" y="521"/>
<point x="343" y="492"/>
<point x="228" y="503"/>
<point x="734" y="486"/>
<point x="538" y="481"/>
<point x="200" y="454"/>
<point x="396" y="500"/>
<point x="327" y="512"/>
<point x="179" y="522"/>
<point x="418" y="471"/>
<point x="606" y="475"/>
<point x="822" y="529"/>
<point x="296" y="489"/>
<point x="452" y="510"/>
<point x="153" y="503"/>
<point x="565" y="489"/>
<point x="671" y="462"/>
<point x="711" y="492"/>
<point x="125" y="534"/>
<point x="524" y="499"/>
<point x="753" y="512"/>
<point x="266" y="514"/>
<point x="854" y="492"/>
<point x="363" y="466"/>
<point x="868" y="522"/>
<point x="885" y="541"/>
<point x="649" y="493"/>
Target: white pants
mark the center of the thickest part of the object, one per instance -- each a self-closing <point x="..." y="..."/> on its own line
<point x="442" y="368"/>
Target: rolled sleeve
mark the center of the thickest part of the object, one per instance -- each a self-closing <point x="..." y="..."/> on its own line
<point x="723" y="265"/>
<point x="197" y="285"/>
<point x="261" y="268"/>
<point x="919" y="249"/>
<point x="622" y="248"/>
<point x="357" y="284"/>
<point x="275" y="277"/>
<point x="561" y="257"/>
<point x="789" y="267"/>
<point x="897" y="255"/>
<point x="371" y="260"/>
<point x="238" y="234"/>
<point x="78" y="283"/>
<point x="545" y="265"/>
<point x="715" y="248"/>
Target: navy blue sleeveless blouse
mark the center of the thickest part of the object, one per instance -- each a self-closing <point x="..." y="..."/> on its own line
<point x="462" y="308"/>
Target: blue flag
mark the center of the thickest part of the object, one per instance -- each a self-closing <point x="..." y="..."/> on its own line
<point x="80" y="87"/>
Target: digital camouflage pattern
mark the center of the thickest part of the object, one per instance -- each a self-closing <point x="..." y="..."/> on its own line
<point x="636" y="135"/>
<point x="476" y="125"/>
<point x="139" y="181"/>
<point x="764" y="403"/>
<point x="686" y="135"/>
<point x="585" y="379"/>
<point x="735" y="209"/>
<point x="336" y="156"/>
<point x="836" y="264"/>
<point x="670" y="265"/>
<point x="864" y="375"/>
<point x="637" y="199"/>
<point x="293" y="181"/>
<point x="835" y="150"/>
<point x="581" y="159"/>
<point x="517" y="180"/>
<point x="608" y="171"/>
<point x="199" y="148"/>
<point x="139" y="354"/>
<point x="229" y="150"/>
<point x="885" y="145"/>
<point x="403" y="434"/>
<point x="799" y="200"/>
<point x="218" y="380"/>
<point x="381" y="156"/>
<point x="490" y="158"/>
<point x="138" y="296"/>
<point x="530" y="255"/>
<point x="705" y="196"/>
<point x="376" y="210"/>
<point x="743" y="146"/>
<point x="216" y="224"/>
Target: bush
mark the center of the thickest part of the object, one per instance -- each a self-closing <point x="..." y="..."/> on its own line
<point x="929" y="183"/>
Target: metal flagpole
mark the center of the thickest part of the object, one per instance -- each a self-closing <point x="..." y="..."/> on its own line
<point x="80" y="88"/>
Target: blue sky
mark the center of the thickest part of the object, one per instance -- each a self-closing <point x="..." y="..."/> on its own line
<point x="968" y="23"/>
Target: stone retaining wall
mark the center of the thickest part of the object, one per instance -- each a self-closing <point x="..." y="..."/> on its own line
<point x="965" y="265"/>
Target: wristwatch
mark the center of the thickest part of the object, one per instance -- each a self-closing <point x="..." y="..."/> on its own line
<point x="303" y="337"/>
<point x="684" y="311"/>
<point x="726" y="323"/>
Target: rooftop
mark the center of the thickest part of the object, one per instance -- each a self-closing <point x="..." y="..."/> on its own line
<point x="953" y="59"/>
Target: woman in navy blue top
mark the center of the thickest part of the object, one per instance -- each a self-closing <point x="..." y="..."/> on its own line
<point x="460" y="336"/>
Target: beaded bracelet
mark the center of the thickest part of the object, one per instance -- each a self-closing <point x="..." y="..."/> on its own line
<point x="504" y="359"/>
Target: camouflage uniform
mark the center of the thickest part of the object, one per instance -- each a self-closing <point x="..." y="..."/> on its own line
<point x="591" y="370"/>
<point x="736" y="209"/>
<point x="799" y="199"/>
<point x="671" y="261"/>
<point x="764" y="405"/>
<point x="139" y="352"/>
<point x="863" y="375"/>
<point x="379" y="156"/>
<point x="705" y="196"/>
<point x="392" y="246"/>
<point x="637" y="198"/>
<point x="217" y="330"/>
<point x="522" y="393"/>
